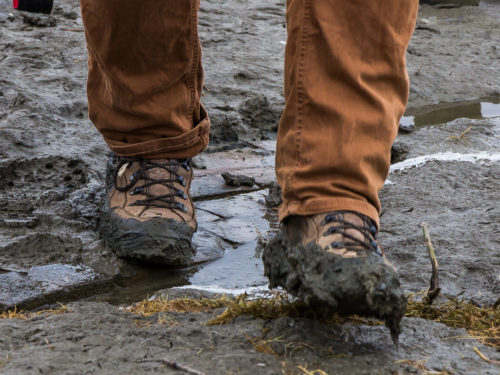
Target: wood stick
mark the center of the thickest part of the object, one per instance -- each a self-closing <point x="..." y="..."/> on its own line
<point x="174" y="365"/>
<point x="434" y="288"/>
<point x="484" y="358"/>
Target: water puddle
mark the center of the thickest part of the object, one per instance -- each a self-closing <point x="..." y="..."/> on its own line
<point x="446" y="112"/>
<point x="229" y="230"/>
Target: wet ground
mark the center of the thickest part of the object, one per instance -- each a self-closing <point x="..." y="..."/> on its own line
<point x="446" y="163"/>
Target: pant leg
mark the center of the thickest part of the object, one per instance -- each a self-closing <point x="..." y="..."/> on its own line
<point x="346" y="87"/>
<point x="145" y="76"/>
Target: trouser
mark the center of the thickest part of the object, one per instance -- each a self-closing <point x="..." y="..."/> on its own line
<point x="346" y="87"/>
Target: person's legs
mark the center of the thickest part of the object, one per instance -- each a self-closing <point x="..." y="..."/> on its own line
<point x="346" y="88"/>
<point x="145" y="76"/>
<point x="144" y="87"/>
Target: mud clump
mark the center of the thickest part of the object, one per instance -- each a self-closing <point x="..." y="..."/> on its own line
<point x="273" y="198"/>
<point x="159" y="241"/>
<point x="331" y="284"/>
<point x="237" y="180"/>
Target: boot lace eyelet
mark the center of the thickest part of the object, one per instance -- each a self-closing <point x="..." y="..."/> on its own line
<point x="152" y="197"/>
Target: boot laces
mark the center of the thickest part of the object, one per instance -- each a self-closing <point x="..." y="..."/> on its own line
<point x="153" y="200"/>
<point x="368" y="230"/>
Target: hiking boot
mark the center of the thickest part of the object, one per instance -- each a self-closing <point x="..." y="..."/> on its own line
<point x="150" y="216"/>
<point x="333" y="262"/>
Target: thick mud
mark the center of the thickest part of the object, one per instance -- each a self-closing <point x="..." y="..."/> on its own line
<point x="52" y="178"/>
<point x="98" y="338"/>
<point x="365" y="286"/>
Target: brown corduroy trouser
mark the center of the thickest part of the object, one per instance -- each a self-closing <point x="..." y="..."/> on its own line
<point x="346" y="87"/>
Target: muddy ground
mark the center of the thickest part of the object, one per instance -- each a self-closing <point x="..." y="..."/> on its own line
<point x="52" y="168"/>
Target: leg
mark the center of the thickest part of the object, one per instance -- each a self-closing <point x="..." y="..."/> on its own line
<point x="145" y="76"/>
<point x="144" y="86"/>
<point x="346" y="88"/>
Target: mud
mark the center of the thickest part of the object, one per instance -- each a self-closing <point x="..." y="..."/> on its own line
<point x="156" y="241"/>
<point x="365" y="286"/>
<point x="52" y="177"/>
<point x="273" y="198"/>
<point x="99" y="338"/>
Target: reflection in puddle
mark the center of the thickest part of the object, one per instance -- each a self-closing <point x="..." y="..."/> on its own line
<point x="228" y="226"/>
<point x="446" y="112"/>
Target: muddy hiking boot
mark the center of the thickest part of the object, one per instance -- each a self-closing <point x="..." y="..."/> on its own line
<point x="333" y="262"/>
<point x="149" y="215"/>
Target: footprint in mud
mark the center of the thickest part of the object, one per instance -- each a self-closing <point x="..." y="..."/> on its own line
<point x="26" y="185"/>
<point x="36" y="175"/>
<point x="36" y="249"/>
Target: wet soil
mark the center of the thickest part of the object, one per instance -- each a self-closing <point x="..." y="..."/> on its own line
<point x="366" y="286"/>
<point x="52" y="172"/>
<point x="99" y="338"/>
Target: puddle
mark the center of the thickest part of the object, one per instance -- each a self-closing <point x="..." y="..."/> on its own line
<point x="229" y="229"/>
<point x="446" y="112"/>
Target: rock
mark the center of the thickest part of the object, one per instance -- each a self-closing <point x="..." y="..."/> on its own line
<point x="238" y="180"/>
<point x="46" y="284"/>
<point x="273" y="198"/>
<point x="399" y="152"/>
<point x="199" y="162"/>
<point x="407" y="128"/>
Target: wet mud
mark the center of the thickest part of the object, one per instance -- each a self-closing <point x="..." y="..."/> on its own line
<point x="52" y="189"/>
<point x="99" y="338"/>
<point x="365" y="286"/>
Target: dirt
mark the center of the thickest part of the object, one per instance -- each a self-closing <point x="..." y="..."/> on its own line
<point x="52" y="173"/>
<point x="99" y="338"/>
<point x="365" y="286"/>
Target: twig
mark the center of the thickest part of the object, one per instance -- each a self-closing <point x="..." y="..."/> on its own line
<point x="174" y="365"/>
<point x="434" y="288"/>
<point x="74" y="30"/>
<point x="484" y="358"/>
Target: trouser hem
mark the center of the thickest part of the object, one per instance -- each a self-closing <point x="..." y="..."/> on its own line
<point x="186" y="145"/>
<point x="326" y="205"/>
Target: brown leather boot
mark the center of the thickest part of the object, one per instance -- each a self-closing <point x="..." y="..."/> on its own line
<point x="334" y="263"/>
<point x="345" y="233"/>
<point x="150" y="215"/>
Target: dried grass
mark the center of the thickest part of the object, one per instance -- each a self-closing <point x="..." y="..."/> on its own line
<point x="481" y="323"/>
<point x="279" y="305"/>
<point x="23" y="315"/>
<point x="311" y="372"/>
<point x="157" y="305"/>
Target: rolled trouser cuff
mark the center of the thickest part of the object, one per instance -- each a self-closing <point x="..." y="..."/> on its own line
<point x="186" y="145"/>
<point x="326" y="205"/>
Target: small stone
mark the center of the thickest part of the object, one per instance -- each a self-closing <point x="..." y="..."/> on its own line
<point x="199" y="162"/>
<point x="238" y="180"/>
<point x="273" y="198"/>
<point x="399" y="152"/>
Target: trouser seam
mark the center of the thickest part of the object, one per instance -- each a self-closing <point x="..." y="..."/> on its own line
<point x="194" y="45"/>
<point x="300" y="87"/>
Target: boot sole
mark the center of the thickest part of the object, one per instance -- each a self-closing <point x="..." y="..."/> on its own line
<point x="159" y="241"/>
<point x="332" y="284"/>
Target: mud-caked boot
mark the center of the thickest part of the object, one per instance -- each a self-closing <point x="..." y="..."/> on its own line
<point x="333" y="262"/>
<point x="150" y="215"/>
